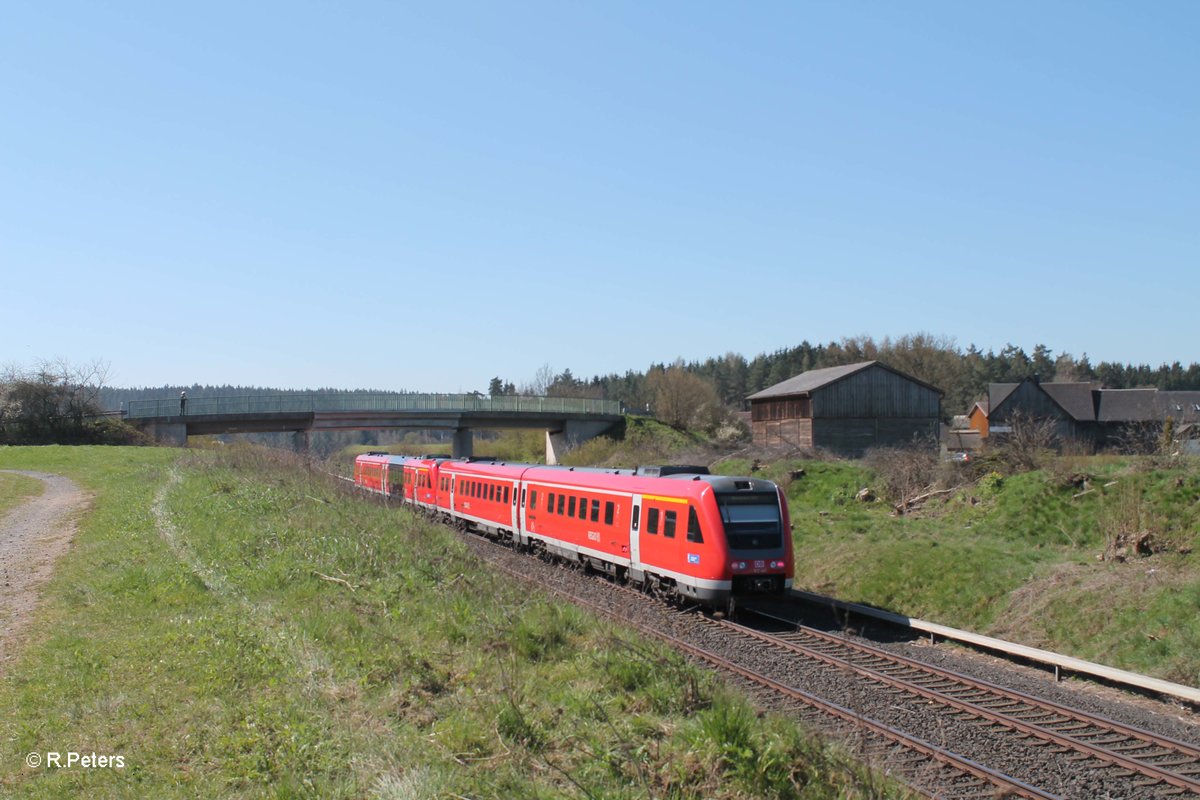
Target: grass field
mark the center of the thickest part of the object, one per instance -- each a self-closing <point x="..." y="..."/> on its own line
<point x="234" y="628"/>
<point x="16" y="488"/>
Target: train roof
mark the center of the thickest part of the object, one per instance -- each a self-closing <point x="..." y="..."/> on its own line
<point x="496" y="469"/>
<point x="687" y="484"/>
<point x="380" y="458"/>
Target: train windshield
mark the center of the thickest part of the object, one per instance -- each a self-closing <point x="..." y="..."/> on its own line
<point x="752" y="520"/>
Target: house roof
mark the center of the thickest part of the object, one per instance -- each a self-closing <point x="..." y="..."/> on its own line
<point x="1074" y="398"/>
<point x="807" y="382"/>
<point x="1126" y="405"/>
<point x="1147" y="405"/>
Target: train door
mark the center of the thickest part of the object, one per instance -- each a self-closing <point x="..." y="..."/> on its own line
<point x="512" y="508"/>
<point x="635" y="550"/>
<point x="519" y="531"/>
<point x="515" y="511"/>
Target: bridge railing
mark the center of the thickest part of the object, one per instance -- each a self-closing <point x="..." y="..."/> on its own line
<point x="332" y="403"/>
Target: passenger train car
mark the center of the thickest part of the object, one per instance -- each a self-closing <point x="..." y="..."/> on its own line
<point x="704" y="537"/>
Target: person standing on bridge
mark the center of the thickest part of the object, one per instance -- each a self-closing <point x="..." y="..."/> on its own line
<point x="182" y="403"/>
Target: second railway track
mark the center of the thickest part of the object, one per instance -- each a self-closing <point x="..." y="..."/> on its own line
<point x="1159" y="759"/>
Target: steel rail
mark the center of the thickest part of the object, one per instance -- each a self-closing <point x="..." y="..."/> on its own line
<point x="1076" y="666"/>
<point x="1148" y="769"/>
<point x="1014" y="787"/>
<point x="1115" y="726"/>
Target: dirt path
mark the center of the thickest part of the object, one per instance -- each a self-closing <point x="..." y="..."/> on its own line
<point x="32" y="537"/>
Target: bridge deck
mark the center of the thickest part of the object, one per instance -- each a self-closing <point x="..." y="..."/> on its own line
<point x="355" y="401"/>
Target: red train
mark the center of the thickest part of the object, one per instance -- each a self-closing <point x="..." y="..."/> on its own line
<point x="705" y="537"/>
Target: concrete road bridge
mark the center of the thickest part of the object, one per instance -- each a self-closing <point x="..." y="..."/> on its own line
<point x="567" y="421"/>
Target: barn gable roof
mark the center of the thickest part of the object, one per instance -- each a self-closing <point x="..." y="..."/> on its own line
<point x="808" y="382"/>
<point x="998" y="393"/>
<point x="1074" y="398"/>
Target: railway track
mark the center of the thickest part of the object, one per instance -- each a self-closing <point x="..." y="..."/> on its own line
<point x="929" y="769"/>
<point x="994" y="742"/>
<point x="1127" y="751"/>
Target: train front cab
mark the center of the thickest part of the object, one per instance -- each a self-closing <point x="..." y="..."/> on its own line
<point x="738" y="544"/>
<point x="758" y="540"/>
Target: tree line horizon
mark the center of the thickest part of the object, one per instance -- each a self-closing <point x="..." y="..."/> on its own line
<point x="963" y="375"/>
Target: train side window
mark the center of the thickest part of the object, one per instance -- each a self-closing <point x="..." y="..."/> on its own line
<point x="571" y="507"/>
<point x="694" y="534"/>
<point x="596" y="510"/>
<point x="652" y="520"/>
<point x="637" y="512"/>
<point x="669" y="525"/>
<point x="533" y="499"/>
<point x="507" y="492"/>
<point x="562" y="503"/>
<point x="583" y="508"/>
<point x="608" y="512"/>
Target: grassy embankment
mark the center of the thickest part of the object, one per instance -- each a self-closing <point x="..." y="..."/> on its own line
<point x="1018" y="556"/>
<point x="235" y="636"/>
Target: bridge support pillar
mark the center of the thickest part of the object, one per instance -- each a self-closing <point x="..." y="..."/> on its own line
<point x="301" y="441"/>
<point x="169" y="433"/>
<point x="464" y="443"/>
<point x="573" y="434"/>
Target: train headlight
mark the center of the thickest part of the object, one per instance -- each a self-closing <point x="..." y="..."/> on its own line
<point x="777" y="565"/>
<point x="738" y="565"/>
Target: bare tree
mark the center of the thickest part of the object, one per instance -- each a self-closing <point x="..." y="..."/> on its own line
<point x="541" y="382"/>
<point x="683" y="399"/>
<point x="1031" y="441"/>
<point x="906" y="472"/>
<point x="54" y="401"/>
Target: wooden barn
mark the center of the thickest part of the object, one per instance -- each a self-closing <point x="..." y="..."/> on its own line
<point x="1069" y="407"/>
<point x="847" y="410"/>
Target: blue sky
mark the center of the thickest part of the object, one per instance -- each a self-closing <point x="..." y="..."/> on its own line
<point x="421" y="196"/>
